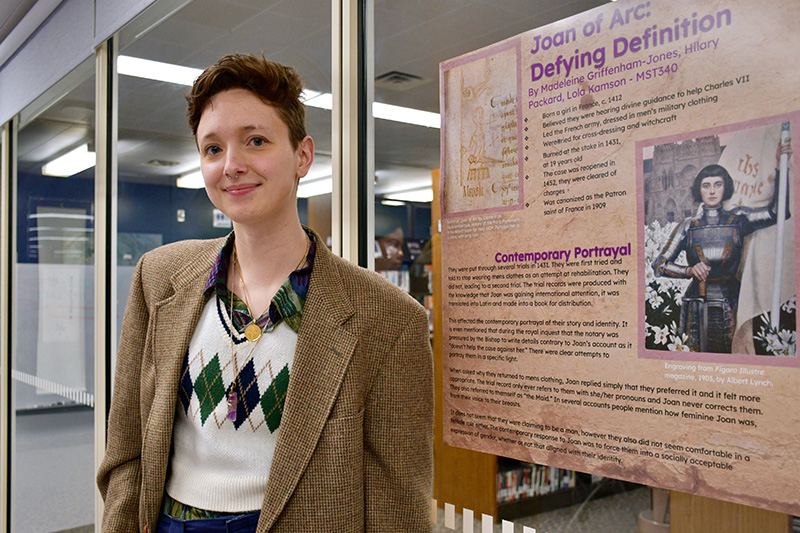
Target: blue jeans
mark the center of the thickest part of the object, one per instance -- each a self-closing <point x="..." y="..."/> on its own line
<point x="245" y="523"/>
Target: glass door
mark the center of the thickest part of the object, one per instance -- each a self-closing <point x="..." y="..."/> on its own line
<point x="52" y="360"/>
<point x="409" y="43"/>
<point x="161" y="195"/>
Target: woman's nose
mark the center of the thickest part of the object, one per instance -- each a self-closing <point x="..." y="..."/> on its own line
<point x="234" y="165"/>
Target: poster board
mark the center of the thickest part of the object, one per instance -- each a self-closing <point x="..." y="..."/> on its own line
<point x="572" y="336"/>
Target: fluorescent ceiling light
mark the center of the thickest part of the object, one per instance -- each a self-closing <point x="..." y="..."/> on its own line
<point x="156" y="70"/>
<point x="317" y="99"/>
<point x="62" y="215"/>
<point x="318" y="180"/>
<point x="320" y="168"/>
<point x="60" y="239"/>
<point x="57" y="228"/>
<point x="392" y="202"/>
<point x="309" y="188"/>
<point x="406" y="115"/>
<point x="193" y="180"/>
<point x="308" y="94"/>
<point x="71" y="163"/>
<point x="412" y="195"/>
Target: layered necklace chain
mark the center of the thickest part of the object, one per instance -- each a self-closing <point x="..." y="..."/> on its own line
<point x="253" y="331"/>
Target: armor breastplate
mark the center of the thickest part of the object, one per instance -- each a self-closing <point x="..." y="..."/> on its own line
<point x="719" y="246"/>
<point x="715" y="237"/>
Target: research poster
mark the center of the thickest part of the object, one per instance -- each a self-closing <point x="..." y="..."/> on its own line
<point x="619" y="240"/>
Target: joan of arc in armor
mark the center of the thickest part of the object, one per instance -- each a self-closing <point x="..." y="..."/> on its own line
<point x="713" y="240"/>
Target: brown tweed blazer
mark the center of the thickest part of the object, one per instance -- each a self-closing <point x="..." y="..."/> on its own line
<point x="354" y="451"/>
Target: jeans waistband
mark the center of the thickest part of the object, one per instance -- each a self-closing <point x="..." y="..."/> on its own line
<point x="245" y="523"/>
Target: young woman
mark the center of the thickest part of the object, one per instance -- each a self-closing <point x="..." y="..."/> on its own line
<point x="262" y="383"/>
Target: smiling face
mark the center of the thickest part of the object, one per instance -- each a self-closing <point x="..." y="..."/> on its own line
<point x="249" y="166"/>
<point x="712" y="189"/>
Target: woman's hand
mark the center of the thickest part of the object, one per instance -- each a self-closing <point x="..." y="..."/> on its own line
<point x="699" y="271"/>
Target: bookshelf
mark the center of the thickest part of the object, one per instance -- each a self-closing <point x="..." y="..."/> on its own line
<point x="524" y="489"/>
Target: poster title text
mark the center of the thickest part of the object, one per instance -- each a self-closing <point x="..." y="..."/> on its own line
<point x="653" y="36"/>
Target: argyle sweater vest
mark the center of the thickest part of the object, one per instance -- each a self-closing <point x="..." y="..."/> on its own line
<point x="229" y="413"/>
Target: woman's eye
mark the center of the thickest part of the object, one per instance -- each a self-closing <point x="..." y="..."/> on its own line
<point x="212" y="150"/>
<point x="259" y="141"/>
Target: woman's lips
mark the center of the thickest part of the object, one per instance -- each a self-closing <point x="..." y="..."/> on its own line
<point x="240" y="189"/>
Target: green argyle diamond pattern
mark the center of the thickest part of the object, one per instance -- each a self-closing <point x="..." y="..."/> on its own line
<point x="209" y="388"/>
<point x="273" y="398"/>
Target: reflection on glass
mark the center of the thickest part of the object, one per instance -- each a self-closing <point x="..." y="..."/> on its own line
<point x="403" y="248"/>
<point x="161" y="194"/>
<point x="52" y="365"/>
<point x="407" y="71"/>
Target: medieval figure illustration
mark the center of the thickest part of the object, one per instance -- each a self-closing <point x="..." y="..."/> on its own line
<point x="713" y="240"/>
<point x="476" y="150"/>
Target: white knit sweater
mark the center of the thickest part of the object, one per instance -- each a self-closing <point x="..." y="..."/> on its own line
<point x="221" y="455"/>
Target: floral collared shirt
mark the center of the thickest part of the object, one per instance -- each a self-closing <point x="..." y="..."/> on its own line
<point x="286" y="305"/>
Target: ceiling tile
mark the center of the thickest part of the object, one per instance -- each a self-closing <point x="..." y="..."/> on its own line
<point x="216" y="15"/>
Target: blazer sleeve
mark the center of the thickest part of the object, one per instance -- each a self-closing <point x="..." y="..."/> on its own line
<point x="398" y="423"/>
<point x="119" y="477"/>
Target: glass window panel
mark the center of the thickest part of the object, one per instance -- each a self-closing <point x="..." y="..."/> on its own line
<point x="52" y="365"/>
<point x="156" y="150"/>
<point x="410" y="42"/>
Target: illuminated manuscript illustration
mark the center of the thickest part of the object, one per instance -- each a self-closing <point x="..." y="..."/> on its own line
<point x="483" y="172"/>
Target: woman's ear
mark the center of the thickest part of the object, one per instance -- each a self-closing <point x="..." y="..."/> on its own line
<point x="305" y="156"/>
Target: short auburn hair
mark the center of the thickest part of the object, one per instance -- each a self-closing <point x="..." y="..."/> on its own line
<point x="276" y="85"/>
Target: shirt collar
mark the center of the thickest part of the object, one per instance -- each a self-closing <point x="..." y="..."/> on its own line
<point x="288" y="302"/>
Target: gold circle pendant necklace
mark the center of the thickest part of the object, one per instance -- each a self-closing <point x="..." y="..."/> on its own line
<point x="253" y="331"/>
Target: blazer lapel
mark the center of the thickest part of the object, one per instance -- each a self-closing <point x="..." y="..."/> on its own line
<point x="324" y="348"/>
<point x="174" y="320"/>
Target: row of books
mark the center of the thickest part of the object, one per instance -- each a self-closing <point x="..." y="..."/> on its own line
<point x="400" y="278"/>
<point x="528" y="480"/>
